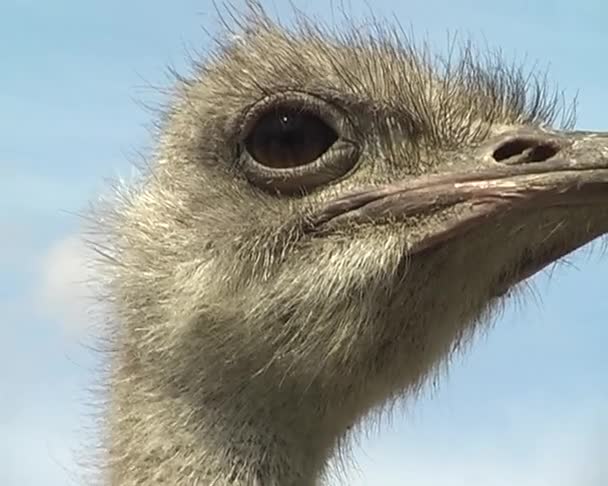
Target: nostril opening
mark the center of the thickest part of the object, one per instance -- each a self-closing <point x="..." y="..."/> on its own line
<point x="522" y="150"/>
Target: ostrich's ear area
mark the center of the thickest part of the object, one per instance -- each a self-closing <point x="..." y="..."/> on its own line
<point x="529" y="171"/>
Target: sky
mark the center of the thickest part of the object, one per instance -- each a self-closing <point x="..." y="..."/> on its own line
<point x="527" y="405"/>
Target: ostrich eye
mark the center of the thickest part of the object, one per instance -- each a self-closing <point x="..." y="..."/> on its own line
<point x="290" y="145"/>
<point x="284" y="138"/>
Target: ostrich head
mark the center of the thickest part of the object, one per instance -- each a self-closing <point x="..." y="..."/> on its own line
<point x="327" y="218"/>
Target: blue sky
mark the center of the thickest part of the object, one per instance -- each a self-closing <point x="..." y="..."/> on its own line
<point x="527" y="405"/>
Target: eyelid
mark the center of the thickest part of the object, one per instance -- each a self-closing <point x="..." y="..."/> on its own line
<point x="299" y="179"/>
<point x="292" y="99"/>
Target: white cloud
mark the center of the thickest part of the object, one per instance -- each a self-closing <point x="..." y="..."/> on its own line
<point x="65" y="291"/>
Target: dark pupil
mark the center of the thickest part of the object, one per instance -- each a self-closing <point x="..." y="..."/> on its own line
<point x="286" y="138"/>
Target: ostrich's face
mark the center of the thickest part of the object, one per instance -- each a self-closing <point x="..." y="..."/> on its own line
<point x="332" y="215"/>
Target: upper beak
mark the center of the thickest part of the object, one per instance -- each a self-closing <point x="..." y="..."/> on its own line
<point x="533" y="171"/>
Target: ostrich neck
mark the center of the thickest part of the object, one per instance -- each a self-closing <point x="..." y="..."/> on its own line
<point x="233" y="432"/>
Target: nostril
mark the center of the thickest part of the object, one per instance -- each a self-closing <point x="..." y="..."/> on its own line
<point x="523" y="149"/>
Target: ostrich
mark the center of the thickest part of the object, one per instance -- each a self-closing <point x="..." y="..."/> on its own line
<point x="328" y="218"/>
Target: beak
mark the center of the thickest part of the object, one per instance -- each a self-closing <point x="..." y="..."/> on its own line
<point x="525" y="171"/>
